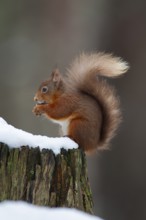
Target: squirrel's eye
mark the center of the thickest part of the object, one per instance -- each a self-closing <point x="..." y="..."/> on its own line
<point x="44" y="89"/>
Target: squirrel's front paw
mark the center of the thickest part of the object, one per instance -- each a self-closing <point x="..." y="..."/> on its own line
<point x="37" y="110"/>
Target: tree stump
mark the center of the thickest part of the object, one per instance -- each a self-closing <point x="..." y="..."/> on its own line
<point x="42" y="178"/>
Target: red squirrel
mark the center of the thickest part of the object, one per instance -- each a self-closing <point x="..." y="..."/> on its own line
<point x="82" y="102"/>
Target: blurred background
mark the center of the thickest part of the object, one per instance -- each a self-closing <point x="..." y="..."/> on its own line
<point x="35" y="36"/>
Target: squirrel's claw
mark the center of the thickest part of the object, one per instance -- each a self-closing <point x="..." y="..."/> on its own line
<point x="37" y="111"/>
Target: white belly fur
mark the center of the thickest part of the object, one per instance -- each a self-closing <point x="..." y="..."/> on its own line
<point x="64" y="125"/>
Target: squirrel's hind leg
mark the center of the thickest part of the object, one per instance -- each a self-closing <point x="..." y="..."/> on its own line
<point x="80" y="132"/>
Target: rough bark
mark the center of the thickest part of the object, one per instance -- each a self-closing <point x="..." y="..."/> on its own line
<point x="42" y="178"/>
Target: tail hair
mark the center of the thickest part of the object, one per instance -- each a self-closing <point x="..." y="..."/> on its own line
<point x="100" y="63"/>
<point x="84" y="75"/>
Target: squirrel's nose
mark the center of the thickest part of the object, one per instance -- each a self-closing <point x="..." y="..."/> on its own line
<point x="35" y="99"/>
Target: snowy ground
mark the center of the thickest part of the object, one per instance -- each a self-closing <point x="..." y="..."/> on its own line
<point x="23" y="211"/>
<point x="15" y="137"/>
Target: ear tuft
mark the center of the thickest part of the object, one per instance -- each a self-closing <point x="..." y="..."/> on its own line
<point x="56" y="76"/>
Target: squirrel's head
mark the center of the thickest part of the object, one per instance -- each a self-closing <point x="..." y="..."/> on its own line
<point x="50" y="89"/>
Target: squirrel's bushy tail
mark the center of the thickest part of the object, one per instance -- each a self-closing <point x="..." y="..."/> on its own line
<point x="83" y="75"/>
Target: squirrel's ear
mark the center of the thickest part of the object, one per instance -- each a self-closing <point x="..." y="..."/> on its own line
<point x="56" y="76"/>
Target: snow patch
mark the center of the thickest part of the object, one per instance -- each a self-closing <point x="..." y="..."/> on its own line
<point x="16" y="138"/>
<point x="22" y="211"/>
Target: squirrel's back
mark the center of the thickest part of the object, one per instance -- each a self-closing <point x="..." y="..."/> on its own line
<point x="86" y="75"/>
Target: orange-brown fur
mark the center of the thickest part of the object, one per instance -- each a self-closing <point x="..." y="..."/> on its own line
<point x="83" y="101"/>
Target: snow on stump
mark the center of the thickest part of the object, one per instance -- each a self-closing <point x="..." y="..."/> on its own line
<point x="44" y="178"/>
